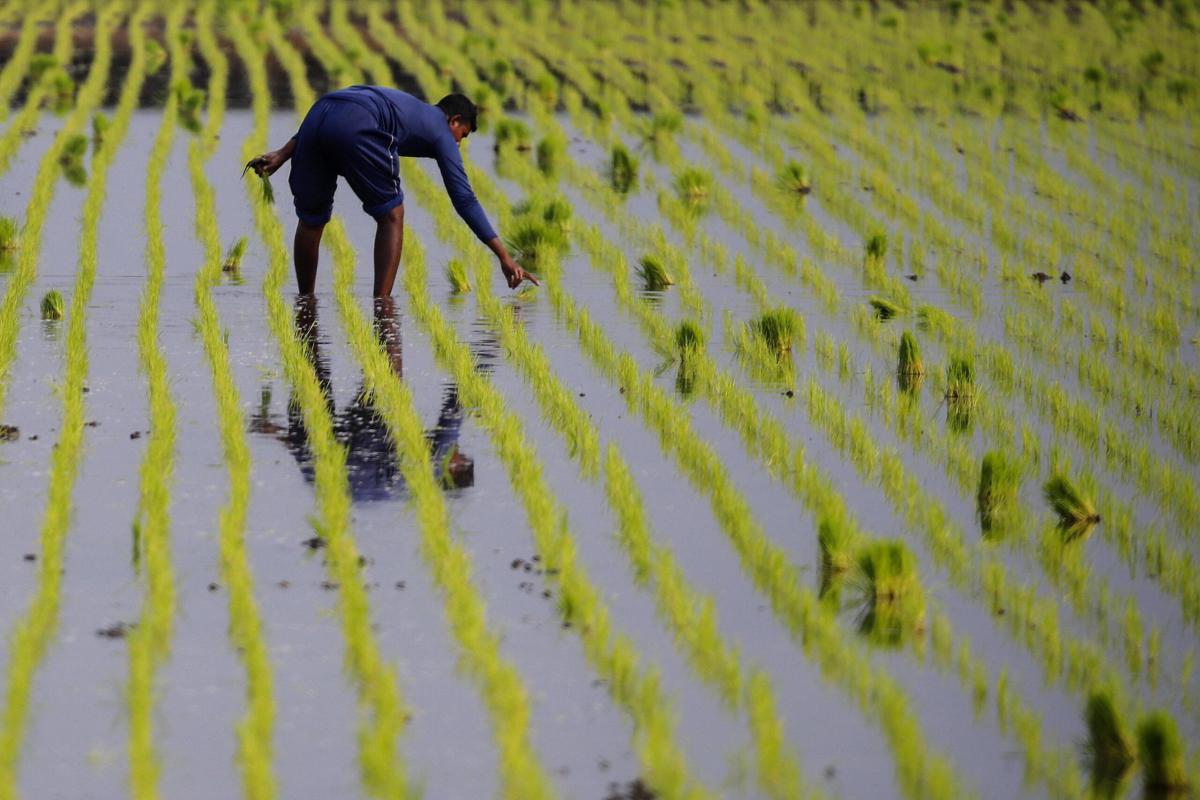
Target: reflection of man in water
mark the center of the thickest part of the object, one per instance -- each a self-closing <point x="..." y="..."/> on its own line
<point x="372" y="465"/>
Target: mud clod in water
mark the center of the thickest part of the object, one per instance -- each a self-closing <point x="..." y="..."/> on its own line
<point x="135" y="435"/>
<point x="9" y="433"/>
<point x="315" y="543"/>
<point x="118" y="630"/>
<point x="30" y="556"/>
<point x="636" y="789"/>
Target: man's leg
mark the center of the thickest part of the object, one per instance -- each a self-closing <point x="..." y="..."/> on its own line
<point x="389" y="240"/>
<point x="306" y="247"/>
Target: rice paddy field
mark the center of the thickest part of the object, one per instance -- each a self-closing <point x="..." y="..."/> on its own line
<point x="849" y="448"/>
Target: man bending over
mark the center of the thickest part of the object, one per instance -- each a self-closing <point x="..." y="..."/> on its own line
<point x="361" y="133"/>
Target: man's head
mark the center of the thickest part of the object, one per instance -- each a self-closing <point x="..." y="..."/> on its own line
<point x="460" y="113"/>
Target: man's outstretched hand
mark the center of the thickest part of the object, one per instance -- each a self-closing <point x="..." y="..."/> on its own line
<point x="514" y="274"/>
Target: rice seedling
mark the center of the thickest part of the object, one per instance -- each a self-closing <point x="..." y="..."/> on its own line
<point x="533" y="242"/>
<point x="653" y="273"/>
<point x="778" y="329"/>
<point x="156" y="57"/>
<point x="999" y="482"/>
<point x="190" y="100"/>
<point x="623" y="169"/>
<point x="793" y="179"/>
<point x="1160" y="753"/>
<point x="960" y="378"/>
<point x="52" y="305"/>
<point x="456" y="275"/>
<point x="232" y="262"/>
<point x="10" y="234"/>
<point x="1076" y="513"/>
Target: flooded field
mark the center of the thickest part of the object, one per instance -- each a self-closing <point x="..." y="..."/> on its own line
<point x="849" y="447"/>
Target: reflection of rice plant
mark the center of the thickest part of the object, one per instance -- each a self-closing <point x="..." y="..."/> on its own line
<point x="777" y="329"/>
<point x="653" y="274"/>
<point x="1076" y="513"/>
<point x="233" y="256"/>
<point x="884" y="309"/>
<point x="1161" y="754"/>
<point x="456" y="273"/>
<point x="624" y="169"/>
<point x="53" y="306"/>
<point x="512" y="133"/>
<point x="693" y="185"/>
<point x="550" y="152"/>
<point x="1109" y="747"/>
<point x="910" y="369"/>
<point x="794" y="178"/>
<point x="999" y="480"/>
<point x="10" y="233"/>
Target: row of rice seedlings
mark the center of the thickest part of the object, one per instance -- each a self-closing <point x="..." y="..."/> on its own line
<point x="503" y="692"/>
<point x="580" y="602"/>
<point x="384" y="713"/>
<point x="149" y="641"/>
<point x="690" y="614"/>
<point x="33" y="632"/>
<point x="255" y="729"/>
<point x="800" y="608"/>
<point x="17" y="65"/>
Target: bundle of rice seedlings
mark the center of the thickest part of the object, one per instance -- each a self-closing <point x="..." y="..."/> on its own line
<point x="73" y="149"/>
<point x="910" y="363"/>
<point x="884" y="309"/>
<point x="233" y="256"/>
<point x="885" y="574"/>
<point x="689" y="338"/>
<point x="1161" y="754"/>
<point x="155" y="56"/>
<point x="41" y="64"/>
<point x="557" y="214"/>
<point x="960" y="378"/>
<point x="456" y="273"/>
<point x="876" y="246"/>
<point x="550" y="152"/>
<point x="837" y="543"/>
<point x="999" y="481"/>
<point x="623" y="170"/>
<point x="100" y="126"/>
<point x="653" y="274"/>
<point x="793" y="178"/>
<point x="693" y="186"/>
<point x="1076" y="514"/>
<point x="10" y="233"/>
<point x="512" y="133"/>
<point x="532" y="241"/>
<point x="190" y="100"/>
<point x="53" y="306"/>
<point x="777" y="329"/>
<point x="268" y="191"/>
<point x="62" y="90"/>
<point x="1109" y="748"/>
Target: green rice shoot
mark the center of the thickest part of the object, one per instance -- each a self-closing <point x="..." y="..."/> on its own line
<point x="53" y="307"/>
<point x="653" y="274"/>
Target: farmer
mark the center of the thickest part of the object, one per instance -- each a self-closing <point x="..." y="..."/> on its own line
<point x="360" y="133"/>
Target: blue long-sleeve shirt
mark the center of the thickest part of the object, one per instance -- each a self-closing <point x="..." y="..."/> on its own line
<point x="420" y="131"/>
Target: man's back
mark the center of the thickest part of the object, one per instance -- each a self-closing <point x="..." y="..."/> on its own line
<point x="419" y="128"/>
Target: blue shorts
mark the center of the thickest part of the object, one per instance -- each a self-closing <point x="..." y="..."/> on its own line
<point x="340" y="137"/>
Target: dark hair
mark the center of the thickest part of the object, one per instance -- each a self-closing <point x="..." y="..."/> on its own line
<point x="457" y="105"/>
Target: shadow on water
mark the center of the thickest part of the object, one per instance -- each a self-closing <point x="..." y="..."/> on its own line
<point x="372" y="463"/>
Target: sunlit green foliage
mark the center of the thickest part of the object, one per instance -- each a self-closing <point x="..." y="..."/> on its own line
<point x="999" y="482"/>
<point x="653" y="274"/>
<point x="623" y="169"/>
<point x="52" y="305"/>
